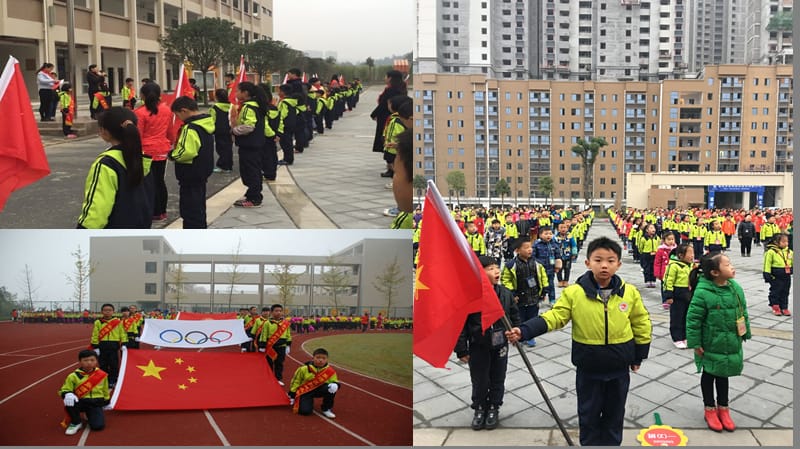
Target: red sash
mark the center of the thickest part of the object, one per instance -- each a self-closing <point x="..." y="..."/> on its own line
<point x="128" y="322"/>
<point x="84" y="388"/>
<point x="107" y="328"/>
<point x="102" y="100"/>
<point x="320" y="378"/>
<point x="274" y="337"/>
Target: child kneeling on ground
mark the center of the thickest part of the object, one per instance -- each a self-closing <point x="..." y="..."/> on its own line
<point x="487" y="353"/>
<point x="315" y="379"/>
<point x="85" y="390"/>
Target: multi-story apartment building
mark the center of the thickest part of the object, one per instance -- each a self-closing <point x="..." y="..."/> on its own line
<point x="765" y="44"/>
<point x="717" y="32"/>
<point x="554" y="39"/>
<point x="120" y="36"/>
<point x="734" y="118"/>
<point x="149" y="272"/>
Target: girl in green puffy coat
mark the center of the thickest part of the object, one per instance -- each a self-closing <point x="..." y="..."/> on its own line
<point x="716" y="325"/>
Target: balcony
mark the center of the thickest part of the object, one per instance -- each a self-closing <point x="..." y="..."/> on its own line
<point x="690" y="128"/>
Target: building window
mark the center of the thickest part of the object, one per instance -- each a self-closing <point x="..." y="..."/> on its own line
<point x="150" y="288"/>
<point x="150" y="267"/>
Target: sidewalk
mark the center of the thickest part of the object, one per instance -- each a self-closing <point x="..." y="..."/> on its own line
<point x="667" y="383"/>
<point x="333" y="184"/>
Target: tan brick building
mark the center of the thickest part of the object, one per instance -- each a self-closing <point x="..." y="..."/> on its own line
<point x="733" y="118"/>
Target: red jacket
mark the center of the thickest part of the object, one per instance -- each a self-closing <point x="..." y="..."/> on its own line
<point x="156" y="131"/>
<point x="662" y="259"/>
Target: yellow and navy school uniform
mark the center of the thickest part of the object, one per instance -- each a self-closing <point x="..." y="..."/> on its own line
<point x="91" y="403"/>
<point x="287" y="126"/>
<point x="251" y="146"/>
<point x="101" y="101"/>
<point x="476" y="243"/>
<point x="778" y="270"/>
<point x="268" y="328"/>
<point x="128" y="97"/>
<point x="109" y="347"/>
<point x="526" y="279"/>
<point x="676" y="288"/>
<point x="269" y="161"/>
<point x="715" y="241"/>
<point x="697" y="234"/>
<point x="319" y="104"/>
<point x="403" y="220"/>
<point x="109" y="200"/>
<point x="306" y="373"/>
<point x="65" y="103"/>
<point x="194" y="161"/>
<point x="611" y="331"/>
<point x="769" y="230"/>
<point x="223" y="141"/>
<point x="392" y="129"/>
<point x="648" y="246"/>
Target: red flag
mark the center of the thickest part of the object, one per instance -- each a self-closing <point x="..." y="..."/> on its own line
<point x="180" y="380"/>
<point x="450" y="284"/>
<point x="22" y="157"/>
<point x="207" y="316"/>
<point x="240" y="77"/>
<point x="305" y="80"/>
<point x="184" y="88"/>
<point x="285" y="78"/>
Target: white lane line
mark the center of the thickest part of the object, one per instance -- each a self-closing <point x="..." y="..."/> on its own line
<point x="71" y="365"/>
<point x="216" y="428"/>
<point x="345" y="429"/>
<point x="355" y="372"/>
<point x="84" y="436"/>
<point x="43" y="346"/>
<point x="40" y="357"/>
<point x="361" y="389"/>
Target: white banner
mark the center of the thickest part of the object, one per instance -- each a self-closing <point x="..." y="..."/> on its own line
<point x="192" y="334"/>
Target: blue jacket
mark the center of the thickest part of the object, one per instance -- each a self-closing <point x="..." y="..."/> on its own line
<point x="569" y="247"/>
<point x="544" y="252"/>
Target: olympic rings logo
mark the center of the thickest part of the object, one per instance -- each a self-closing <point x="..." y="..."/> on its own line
<point x="194" y="337"/>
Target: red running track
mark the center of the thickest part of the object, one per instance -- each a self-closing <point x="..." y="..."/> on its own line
<point x="35" y="359"/>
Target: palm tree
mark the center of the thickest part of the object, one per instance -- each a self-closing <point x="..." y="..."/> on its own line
<point x="502" y="189"/>
<point x="588" y="154"/>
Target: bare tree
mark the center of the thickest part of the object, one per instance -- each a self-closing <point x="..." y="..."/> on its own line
<point x="235" y="274"/>
<point x="388" y="283"/>
<point x="178" y="277"/>
<point x="29" y="291"/>
<point x="79" y="278"/>
<point x="335" y="280"/>
<point x="286" y="282"/>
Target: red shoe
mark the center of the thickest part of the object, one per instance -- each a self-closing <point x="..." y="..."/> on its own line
<point x="712" y="419"/>
<point x="776" y="310"/>
<point x="725" y="419"/>
<point x="786" y="312"/>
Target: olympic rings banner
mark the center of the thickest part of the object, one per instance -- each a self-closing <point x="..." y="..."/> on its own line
<point x="191" y="334"/>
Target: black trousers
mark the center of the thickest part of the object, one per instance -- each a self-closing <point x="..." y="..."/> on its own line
<point x="300" y="139"/>
<point x="269" y="160"/>
<point x="328" y="113"/>
<point x="277" y="365"/>
<point x="707" y="382"/>
<point x="647" y="261"/>
<point x="250" y="171"/>
<point x="677" y="316"/>
<point x="728" y="241"/>
<point x="224" y="147"/>
<point x="307" y="400"/>
<point x="779" y="289"/>
<point x="193" y="204"/>
<point x="487" y="371"/>
<point x="318" y="125"/>
<point x="46" y="99"/>
<point x="746" y="244"/>
<point x="157" y="168"/>
<point x="109" y="359"/>
<point x="601" y="407"/>
<point x="94" y="413"/>
<point x="566" y="265"/>
<point x="132" y="343"/>
<point x="287" y="147"/>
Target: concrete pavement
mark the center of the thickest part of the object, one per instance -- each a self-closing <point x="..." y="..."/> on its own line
<point x="761" y="399"/>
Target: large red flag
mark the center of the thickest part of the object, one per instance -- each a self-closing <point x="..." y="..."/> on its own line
<point x="22" y="157"/>
<point x="450" y="284"/>
<point x="241" y="76"/>
<point x="180" y="380"/>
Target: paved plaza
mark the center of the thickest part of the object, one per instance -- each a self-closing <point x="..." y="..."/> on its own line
<point x="761" y="399"/>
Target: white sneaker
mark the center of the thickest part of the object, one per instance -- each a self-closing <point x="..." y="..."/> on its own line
<point x="680" y="344"/>
<point x="280" y="382"/>
<point x="72" y="429"/>
<point x="328" y="414"/>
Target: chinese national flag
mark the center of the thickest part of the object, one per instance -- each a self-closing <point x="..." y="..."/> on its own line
<point x="241" y="75"/>
<point x="181" y="380"/>
<point x="22" y="157"/>
<point x="450" y="284"/>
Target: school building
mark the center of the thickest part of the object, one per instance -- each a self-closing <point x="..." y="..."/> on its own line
<point x="732" y="119"/>
<point x="120" y="36"/>
<point x="147" y="271"/>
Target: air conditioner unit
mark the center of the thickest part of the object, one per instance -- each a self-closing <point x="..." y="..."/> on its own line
<point x="255" y="15"/>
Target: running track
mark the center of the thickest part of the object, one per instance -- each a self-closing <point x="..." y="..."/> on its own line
<point x="35" y="359"/>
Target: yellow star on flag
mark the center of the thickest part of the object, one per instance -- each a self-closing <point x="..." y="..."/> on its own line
<point x="190" y="369"/>
<point x="192" y="380"/>
<point x="179" y="361"/>
<point x="151" y="370"/>
<point x="418" y="285"/>
<point x="182" y="387"/>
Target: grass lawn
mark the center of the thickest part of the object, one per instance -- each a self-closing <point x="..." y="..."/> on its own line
<point x="385" y="356"/>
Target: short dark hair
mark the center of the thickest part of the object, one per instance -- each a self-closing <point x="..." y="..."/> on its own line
<point x="604" y="243"/>
<point x="320" y="351"/>
<point x="146" y="80"/>
<point x="192" y="80"/>
<point x="183" y="103"/>
<point x="107" y="304"/>
<point x="486" y="261"/>
<point x="265" y="309"/>
<point x="125" y="309"/>
<point x="275" y="306"/>
<point x="128" y="80"/>
<point x="520" y="241"/>
<point x="295" y="71"/>
<point x="545" y="228"/>
<point x="230" y="75"/>
<point x="91" y="66"/>
<point x="221" y="96"/>
<point x="86" y="353"/>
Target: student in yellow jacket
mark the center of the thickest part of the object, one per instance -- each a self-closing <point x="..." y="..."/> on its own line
<point x="275" y="340"/>
<point x="611" y="334"/>
<point x="778" y="269"/>
<point x="108" y="336"/>
<point x="85" y="390"/>
<point x="677" y="293"/>
<point x="311" y="380"/>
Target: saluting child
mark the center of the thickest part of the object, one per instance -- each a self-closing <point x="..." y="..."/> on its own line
<point x="85" y="390"/>
<point x="314" y="379"/>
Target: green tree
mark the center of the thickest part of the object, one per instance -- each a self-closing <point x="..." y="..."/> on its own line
<point x="204" y="42"/>
<point x="546" y="187"/>
<point x="335" y="281"/>
<point x="8" y="302"/>
<point x="456" y="182"/>
<point x="79" y="279"/>
<point x="178" y="277"/>
<point x="286" y="281"/>
<point x="781" y="21"/>
<point x="588" y="154"/>
<point x="371" y="65"/>
<point x="388" y="284"/>
<point x="502" y="188"/>
<point x="235" y="273"/>
<point x="420" y="185"/>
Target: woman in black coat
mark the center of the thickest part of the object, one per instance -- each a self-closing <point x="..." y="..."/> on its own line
<point x="394" y="86"/>
<point x="94" y="77"/>
<point x="745" y="233"/>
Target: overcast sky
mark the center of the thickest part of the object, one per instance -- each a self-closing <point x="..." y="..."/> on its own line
<point x="355" y="29"/>
<point x="47" y="252"/>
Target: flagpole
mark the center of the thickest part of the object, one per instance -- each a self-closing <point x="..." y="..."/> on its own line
<point x="539" y="385"/>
